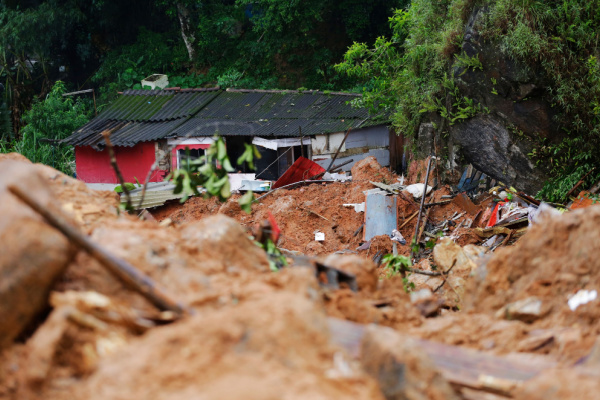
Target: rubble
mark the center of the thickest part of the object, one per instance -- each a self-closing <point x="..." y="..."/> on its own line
<point x="461" y="321"/>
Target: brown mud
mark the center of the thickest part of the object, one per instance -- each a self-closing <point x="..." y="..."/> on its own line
<point x="260" y="334"/>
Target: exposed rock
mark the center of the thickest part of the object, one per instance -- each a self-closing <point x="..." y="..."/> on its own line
<point x="526" y="310"/>
<point x="447" y="253"/>
<point x="520" y="111"/>
<point x="492" y="148"/>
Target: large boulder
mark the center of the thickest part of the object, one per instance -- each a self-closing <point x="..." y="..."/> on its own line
<point x="520" y="111"/>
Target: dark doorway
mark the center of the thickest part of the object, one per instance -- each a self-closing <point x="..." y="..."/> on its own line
<point x="235" y="148"/>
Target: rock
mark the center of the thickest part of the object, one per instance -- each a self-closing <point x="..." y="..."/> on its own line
<point x="33" y="254"/>
<point x="526" y="310"/>
<point x="416" y="190"/>
<point x="488" y="144"/>
<point x="446" y="253"/>
<point x="401" y="367"/>
<point x="453" y="291"/>
<point x="497" y="143"/>
<point x="536" y="342"/>
<point x="314" y="248"/>
<point x="222" y="240"/>
<point x="365" y="271"/>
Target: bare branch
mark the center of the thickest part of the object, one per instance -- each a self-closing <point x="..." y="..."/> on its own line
<point x="115" y="166"/>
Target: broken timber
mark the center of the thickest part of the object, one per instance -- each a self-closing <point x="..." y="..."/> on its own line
<point x="121" y="269"/>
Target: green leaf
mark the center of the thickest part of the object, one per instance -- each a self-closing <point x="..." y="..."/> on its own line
<point x="246" y="201"/>
<point x="227" y="165"/>
<point x="226" y="189"/>
<point x="221" y="149"/>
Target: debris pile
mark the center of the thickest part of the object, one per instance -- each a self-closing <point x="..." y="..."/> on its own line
<point x="454" y="320"/>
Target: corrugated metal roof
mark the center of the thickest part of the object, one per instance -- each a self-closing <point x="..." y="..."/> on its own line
<point x="146" y="115"/>
<point x="196" y="127"/>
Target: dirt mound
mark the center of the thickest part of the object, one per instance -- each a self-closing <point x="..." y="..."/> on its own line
<point x="262" y="334"/>
<point x="369" y="169"/>
<point x="389" y="305"/>
<point x="14" y="157"/>
<point x="568" y="263"/>
<point x="301" y="212"/>
<point x="281" y="351"/>
<point x="534" y="280"/>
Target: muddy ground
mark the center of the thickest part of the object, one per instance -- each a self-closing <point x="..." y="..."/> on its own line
<point x="259" y="334"/>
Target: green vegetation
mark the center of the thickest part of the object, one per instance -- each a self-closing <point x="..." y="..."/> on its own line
<point x="210" y="173"/>
<point x="401" y="54"/>
<point x="398" y="265"/>
<point x="407" y="73"/>
<point x="52" y="119"/>
<point x="111" y="46"/>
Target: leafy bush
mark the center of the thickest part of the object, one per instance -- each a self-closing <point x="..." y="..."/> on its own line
<point x="54" y="118"/>
<point x="405" y="73"/>
<point x="558" y="39"/>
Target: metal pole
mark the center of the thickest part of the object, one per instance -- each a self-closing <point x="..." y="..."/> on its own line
<point x="422" y="203"/>
<point x="338" y="150"/>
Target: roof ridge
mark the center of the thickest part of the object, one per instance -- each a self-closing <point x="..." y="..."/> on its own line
<point x="284" y="91"/>
<point x="178" y="89"/>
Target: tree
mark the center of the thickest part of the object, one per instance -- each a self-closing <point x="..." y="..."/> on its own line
<point x="50" y="120"/>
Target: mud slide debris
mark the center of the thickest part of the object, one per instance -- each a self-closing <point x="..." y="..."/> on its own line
<point x="486" y="312"/>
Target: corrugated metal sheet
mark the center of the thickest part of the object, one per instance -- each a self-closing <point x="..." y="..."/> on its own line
<point x="301" y="169"/>
<point x="146" y="115"/>
<point x="196" y="127"/>
<point x="151" y="199"/>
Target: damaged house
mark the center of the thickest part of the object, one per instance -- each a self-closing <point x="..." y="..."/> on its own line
<point x="285" y="125"/>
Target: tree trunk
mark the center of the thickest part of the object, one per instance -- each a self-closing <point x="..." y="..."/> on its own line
<point x="187" y="32"/>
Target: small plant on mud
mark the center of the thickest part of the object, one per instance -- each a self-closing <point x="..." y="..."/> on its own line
<point x="276" y="259"/>
<point x="210" y="172"/>
<point x="398" y="265"/>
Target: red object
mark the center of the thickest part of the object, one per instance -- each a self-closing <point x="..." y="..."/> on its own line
<point x="583" y="200"/>
<point x="275" y="231"/>
<point x="302" y="169"/>
<point x="134" y="162"/>
<point x="494" y="218"/>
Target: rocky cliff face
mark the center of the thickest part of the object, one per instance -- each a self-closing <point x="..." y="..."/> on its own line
<point x="520" y="112"/>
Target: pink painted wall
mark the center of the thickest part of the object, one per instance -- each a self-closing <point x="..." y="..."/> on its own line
<point x="134" y="162"/>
